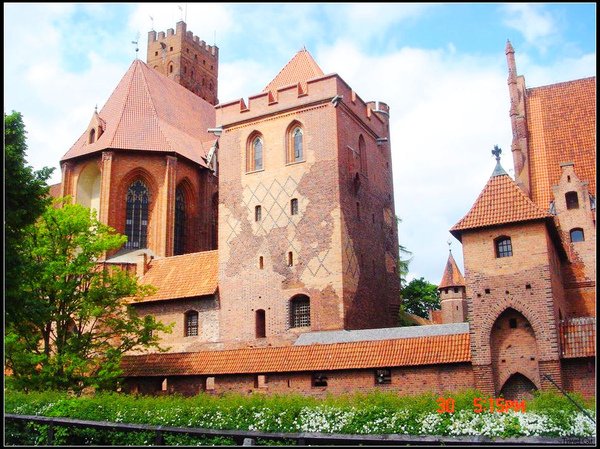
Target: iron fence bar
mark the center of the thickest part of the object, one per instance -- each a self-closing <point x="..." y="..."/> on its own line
<point x="547" y="376"/>
<point x="302" y="438"/>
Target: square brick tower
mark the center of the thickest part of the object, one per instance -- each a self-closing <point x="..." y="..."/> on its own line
<point x="186" y="59"/>
<point x="307" y="229"/>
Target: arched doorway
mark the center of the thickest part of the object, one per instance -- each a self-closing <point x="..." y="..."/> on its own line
<point x="88" y="187"/>
<point x="514" y="352"/>
<point x="517" y="388"/>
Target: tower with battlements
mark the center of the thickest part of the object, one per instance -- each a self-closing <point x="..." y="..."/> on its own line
<point x="186" y="59"/>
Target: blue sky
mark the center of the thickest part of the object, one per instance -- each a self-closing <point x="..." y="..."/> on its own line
<point x="440" y="67"/>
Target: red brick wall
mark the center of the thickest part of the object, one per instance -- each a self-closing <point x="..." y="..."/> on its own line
<point x="580" y="375"/>
<point x="127" y="166"/>
<point x="514" y="350"/>
<point x="173" y="312"/>
<point x="525" y="282"/>
<point x="327" y="263"/>
<point x="405" y="381"/>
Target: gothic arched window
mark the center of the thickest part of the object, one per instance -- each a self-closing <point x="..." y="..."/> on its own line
<point x="180" y="222"/>
<point x="136" y="221"/>
<point x="254" y="159"/>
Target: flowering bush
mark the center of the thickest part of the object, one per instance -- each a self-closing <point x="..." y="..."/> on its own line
<point x="376" y="413"/>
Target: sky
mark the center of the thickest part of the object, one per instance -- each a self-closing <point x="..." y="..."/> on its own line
<point x="440" y="67"/>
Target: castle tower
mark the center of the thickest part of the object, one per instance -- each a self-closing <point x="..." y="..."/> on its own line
<point x="307" y="230"/>
<point x="453" y="295"/>
<point x="186" y="59"/>
<point x="512" y="255"/>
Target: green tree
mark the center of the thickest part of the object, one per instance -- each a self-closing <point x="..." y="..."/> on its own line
<point x="403" y="260"/>
<point x="419" y="296"/>
<point x="79" y="320"/>
<point x="25" y="198"/>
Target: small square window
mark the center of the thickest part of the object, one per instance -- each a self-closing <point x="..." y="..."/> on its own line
<point x="319" y="380"/>
<point x="383" y="376"/>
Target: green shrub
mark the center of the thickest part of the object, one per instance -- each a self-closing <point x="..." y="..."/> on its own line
<point x="373" y="413"/>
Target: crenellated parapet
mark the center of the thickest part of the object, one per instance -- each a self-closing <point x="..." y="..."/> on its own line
<point x="184" y="57"/>
<point x="329" y="89"/>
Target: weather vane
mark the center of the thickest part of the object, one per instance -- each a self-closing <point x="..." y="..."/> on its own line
<point x="135" y="42"/>
<point x="449" y="245"/>
<point x="496" y="152"/>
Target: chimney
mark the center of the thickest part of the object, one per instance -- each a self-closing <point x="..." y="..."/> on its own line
<point x="142" y="265"/>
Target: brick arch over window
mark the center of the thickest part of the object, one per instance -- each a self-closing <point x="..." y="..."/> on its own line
<point x="514" y="348"/>
<point x="185" y="223"/>
<point x="294" y="142"/>
<point x="518" y="387"/>
<point x="137" y="174"/>
<point x="255" y="152"/>
<point x="362" y="154"/>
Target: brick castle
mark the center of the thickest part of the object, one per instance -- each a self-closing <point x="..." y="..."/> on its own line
<point x="269" y="230"/>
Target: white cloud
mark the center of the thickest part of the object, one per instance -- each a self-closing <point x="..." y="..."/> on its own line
<point x="537" y="25"/>
<point x="447" y="112"/>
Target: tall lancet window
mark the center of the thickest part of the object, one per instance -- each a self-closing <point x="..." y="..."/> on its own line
<point x="136" y="222"/>
<point x="179" y="222"/>
<point x="258" y="154"/>
<point x="297" y="144"/>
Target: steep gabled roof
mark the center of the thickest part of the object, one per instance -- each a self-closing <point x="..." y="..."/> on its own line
<point x="561" y="125"/>
<point x="301" y="68"/>
<point x="500" y="202"/>
<point x="317" y="357"/>
<point x="186" y="276"/>
<point x="452" y="276"/>
<point x="149" y="112"/>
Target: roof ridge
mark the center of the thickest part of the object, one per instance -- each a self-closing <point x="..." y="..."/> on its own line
<point x="154" y="111"/>
<point x="132" y="68"/>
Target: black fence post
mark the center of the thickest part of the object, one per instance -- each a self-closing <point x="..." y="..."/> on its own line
<point x="50" y="434"/>
<point x="158" y="439"/>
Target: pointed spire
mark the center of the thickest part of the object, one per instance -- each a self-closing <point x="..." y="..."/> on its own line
<point x="509" y="48"/>
<point x="498" y="171"/>
<point x="452" y="276"/>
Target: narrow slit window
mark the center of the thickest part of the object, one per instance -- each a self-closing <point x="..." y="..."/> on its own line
<point x="257" y="213"/>
<point x="294" y="206"/>
<point x="261" y="263"/>
<point x="290" y="259"/>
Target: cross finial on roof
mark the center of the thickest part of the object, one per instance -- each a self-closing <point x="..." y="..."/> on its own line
<point x="496" y="152"/>
<point x="96" y="108"/>
<point x="449" y="245"/>
<point x="498" y="170"/>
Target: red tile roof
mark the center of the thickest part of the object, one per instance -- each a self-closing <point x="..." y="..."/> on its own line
<point x="561" y="124"/>
<point x="301" y="68"/>
<point x="578" y="337"/>
<point x="501" y="201"/>
<point x="319" y="357"/>
<point x="185" y="276"/>
<point x="150" y="112"/>
<point x="452" y="276"/>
